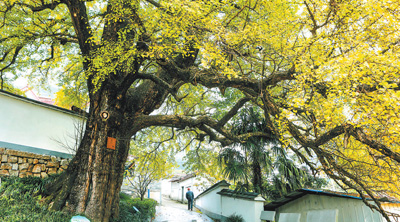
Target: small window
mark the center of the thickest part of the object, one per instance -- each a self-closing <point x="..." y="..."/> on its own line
<point x="289" y="217"/>
<point x="267" y="215"/>
<point x="322" y="215"/>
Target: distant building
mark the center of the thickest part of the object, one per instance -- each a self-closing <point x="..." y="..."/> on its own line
<point x="180" y="184"/>
<point x="32" y="95"/>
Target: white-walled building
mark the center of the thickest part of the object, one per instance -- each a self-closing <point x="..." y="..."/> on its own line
<point x="180" y="184"/>
<point x="219" y="202"/>
<point x="36" y="127"/>
<point x="306" y="205"/>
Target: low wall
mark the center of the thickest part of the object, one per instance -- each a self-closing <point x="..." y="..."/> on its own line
<point x="249" y="209"/>
<point x="219" y="204"/>
<point x="23" y="164"/>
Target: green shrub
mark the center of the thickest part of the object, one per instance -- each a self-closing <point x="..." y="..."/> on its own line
<point x="127" y="213"/>
<point x="235" y="218"/>
<point x="146" y="207"/>
<point x="19" y="201"/>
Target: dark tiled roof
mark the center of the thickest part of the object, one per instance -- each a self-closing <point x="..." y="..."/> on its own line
<point x="183" y="178"/>
<point x="235" y="194"/>
<point x="220" y="183"/>
<point x="302" y="192"/>
<point x="49" y="106"/>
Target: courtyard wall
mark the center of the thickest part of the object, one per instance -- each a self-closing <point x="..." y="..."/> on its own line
<point x="23" y="164"/>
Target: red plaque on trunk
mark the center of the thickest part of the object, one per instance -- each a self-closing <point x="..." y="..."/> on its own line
<point x="111" y="143"/>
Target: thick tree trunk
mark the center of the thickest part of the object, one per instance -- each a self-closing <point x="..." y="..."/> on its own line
<point x="92" y="182"/>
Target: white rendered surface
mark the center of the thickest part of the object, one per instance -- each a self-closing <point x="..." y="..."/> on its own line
<point x="35" y="125"/>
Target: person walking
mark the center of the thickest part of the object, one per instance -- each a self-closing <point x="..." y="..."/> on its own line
<point x="190" y="197"/>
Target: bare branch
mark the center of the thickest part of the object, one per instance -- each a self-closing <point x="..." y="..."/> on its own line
<point x="14" y="58"/>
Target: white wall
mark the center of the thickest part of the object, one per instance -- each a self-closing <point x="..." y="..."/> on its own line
<point x="250" y="210"/>
<point x="220" y="206"/>
<point x="335" y="209"/>
<point x="166" y="187"/>
<point x="176" y="191"/>
<point x="193" y="183"/>
<point x="33" y="125"/>
<point x="211" y="201"/>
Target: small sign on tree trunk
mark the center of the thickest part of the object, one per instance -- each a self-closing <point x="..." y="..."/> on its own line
<point x="111" y="143"/>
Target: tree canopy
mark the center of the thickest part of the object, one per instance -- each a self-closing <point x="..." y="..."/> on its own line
<point x="323" y="73"/>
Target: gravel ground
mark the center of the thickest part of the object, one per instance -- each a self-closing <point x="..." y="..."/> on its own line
<point x="172" y="211"/>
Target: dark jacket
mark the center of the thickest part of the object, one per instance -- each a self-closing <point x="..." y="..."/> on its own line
<point x="189" y="195"/>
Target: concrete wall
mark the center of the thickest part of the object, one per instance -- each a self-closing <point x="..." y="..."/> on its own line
<point x="220" y="207"/>
<point x="23" y="164"/>
<point x="27" y="125"/>
<point x="211" y="203"/>
<point x="329" y="209"/>
<point x="250" y="210"/>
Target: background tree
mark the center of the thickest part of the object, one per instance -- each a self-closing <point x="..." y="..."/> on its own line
<point x="10" y="88"/>
<point x="322" y="72"/>
<point x="149" y="166"/>
<point x="288" y="176"/>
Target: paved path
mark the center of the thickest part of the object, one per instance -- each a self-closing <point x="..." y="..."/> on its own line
<point x="173" y="211"/>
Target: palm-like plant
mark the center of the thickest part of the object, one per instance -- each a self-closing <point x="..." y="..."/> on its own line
<point x="245" y="161"/>
<point x="260" y="164"/>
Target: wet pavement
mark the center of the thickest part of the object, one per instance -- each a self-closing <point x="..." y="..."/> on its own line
<point x="173" y="211"/>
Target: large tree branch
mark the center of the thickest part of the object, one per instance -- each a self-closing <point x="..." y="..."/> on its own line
<point x="356" y="132"/>
<point x="206" y="124"/>
<point x="232" y="112"/>
<point x="323" y="87"/>
<point x="363" y="88"/>
<point x="252" y="86"/>
<point x="359" y="135"/>
<point x="180" y="122"/>
<point x="171" y="89"/>
<point x="337" y="172"/>
<point x="64" y="38"/>
<point x="156" y="4"/>
<point x="42" y="7"/>
<point x="213" y="136"/>
<point x="80" y="21"/>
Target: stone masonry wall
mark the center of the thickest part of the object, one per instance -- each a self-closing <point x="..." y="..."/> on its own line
<point x="23" y="164"/>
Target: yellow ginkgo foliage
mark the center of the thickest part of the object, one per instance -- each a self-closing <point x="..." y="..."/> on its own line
<point x="325" y="75"/>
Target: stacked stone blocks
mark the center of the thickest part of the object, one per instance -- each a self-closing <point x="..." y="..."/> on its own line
<point x="23" y="164"/>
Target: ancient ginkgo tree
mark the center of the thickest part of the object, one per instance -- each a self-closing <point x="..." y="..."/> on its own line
<point x="324" y="73"/>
